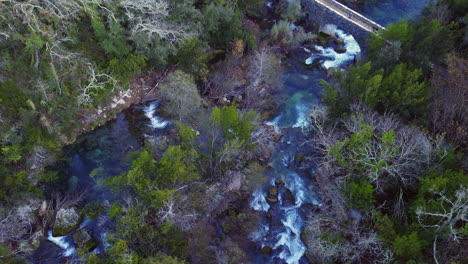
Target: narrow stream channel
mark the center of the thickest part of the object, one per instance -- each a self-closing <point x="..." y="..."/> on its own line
<point x="289" y="195"/>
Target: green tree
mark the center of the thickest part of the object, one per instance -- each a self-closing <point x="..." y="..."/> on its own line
<point x="140" y="180"/>
<point x="408" y="247"/>
<point x="403" y="92"/>
<point x="233" y="123"/>
<point x="176" y="166"/>
<point x="360" y="196"/>
<point x="192" y="57"/>
<point x="112" y="39"/>
<point x="398" y="89"/>
<point x="221" y="25"/>
<point x="419" y="44"/>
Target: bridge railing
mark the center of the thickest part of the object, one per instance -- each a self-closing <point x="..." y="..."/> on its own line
<point x="355" y="14"/>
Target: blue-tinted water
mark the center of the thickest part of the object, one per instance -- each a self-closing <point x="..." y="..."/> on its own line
<point x="97" y="155"/>
<point x="385" y="12"/>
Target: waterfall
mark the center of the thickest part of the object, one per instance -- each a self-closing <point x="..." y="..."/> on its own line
<point x="155" y="121"/>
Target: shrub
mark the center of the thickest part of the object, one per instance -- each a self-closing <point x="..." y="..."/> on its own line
<point x="294" y="11"/>
<point x="282" y="33"/>
<point x="408" y="247"/>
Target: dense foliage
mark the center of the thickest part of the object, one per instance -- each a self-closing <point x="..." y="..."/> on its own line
<point x="389" y="137"/>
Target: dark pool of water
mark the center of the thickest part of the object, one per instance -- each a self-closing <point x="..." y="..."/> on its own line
<point x="385" y="12"/>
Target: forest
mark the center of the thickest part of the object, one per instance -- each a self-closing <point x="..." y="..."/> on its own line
<point x="241" y="166"/>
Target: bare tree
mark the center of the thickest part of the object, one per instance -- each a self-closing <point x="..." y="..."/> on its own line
<point x="452" y="211"/>
<point x="149" y="17"/>
<point x="95" y="82"/>
<point x="264" y="75"/>
<point x="449" y="112"/>
<point x="402" y="161"/>
<point x="37" y="14"/>
<point x="354" y="248"/>
<point x="225" y="81"/>
<point x="174" y="210"/>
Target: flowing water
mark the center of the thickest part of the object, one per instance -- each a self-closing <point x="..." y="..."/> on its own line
<point x="104" y="153"/>
<point x="283" y="221"/>
<point x="390" y="11"/>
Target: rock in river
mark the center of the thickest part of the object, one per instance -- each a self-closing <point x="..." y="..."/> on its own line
<point x="83" y="240"/>
<point x="67" y="220"/>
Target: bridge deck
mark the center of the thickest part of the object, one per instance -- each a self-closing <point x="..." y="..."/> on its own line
<point x="350" y="15"/>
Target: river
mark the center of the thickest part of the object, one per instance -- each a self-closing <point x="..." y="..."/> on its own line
<point x="104" y="151"/>
<point x="390" y="11"/>
<point x="279" y="235"/>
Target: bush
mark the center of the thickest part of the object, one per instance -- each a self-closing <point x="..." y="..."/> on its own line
<point x="294" y="11"/>
<point x="124" y="69"/>
<point x="113" y="40"/>
<point x="408" y="247"/>
<point x="282" y="33"/>
<point x="360" y="196"/>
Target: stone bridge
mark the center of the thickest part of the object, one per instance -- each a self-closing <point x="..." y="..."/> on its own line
<point x="321" y="12"/>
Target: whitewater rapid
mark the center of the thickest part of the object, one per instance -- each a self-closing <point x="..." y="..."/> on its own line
<point x="155" y="121"/>
<point x="330" y="58"/>
<point x="283" y="222"/>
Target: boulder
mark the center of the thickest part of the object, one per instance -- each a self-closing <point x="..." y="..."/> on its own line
<point x="273" y="192"/>
<point x="84" y="241"/>
<point x="279" y="182"/>
<point x="272" y="200"/>
<point x="328" y="29"/>
<point x="269" y="214"/>
<point x="340" y="49"/>
<point x="277" y="137"/>
<point x="66" y="221"/>
<point x="266" y="250"/>
<point x="288" y="198"/>
<point x="339" y="41"/>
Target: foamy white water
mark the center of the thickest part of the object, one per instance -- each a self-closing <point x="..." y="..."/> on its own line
<point x="155" y="121"/>
<point x="61" y="241"/>
<point x="333" y="59"/>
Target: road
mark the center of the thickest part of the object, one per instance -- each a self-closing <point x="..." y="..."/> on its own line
<point x="350" y="15"/>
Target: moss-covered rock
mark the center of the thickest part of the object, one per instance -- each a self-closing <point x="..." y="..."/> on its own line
<point x="266" y="250"/>
<point x="339" y="41"/>
<point x="273" y="191"/>
<point x="84" y="240"/>
<point x="279" y="182"/>
<point x="272" y="200"/>
<point x="66" y="221"/>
